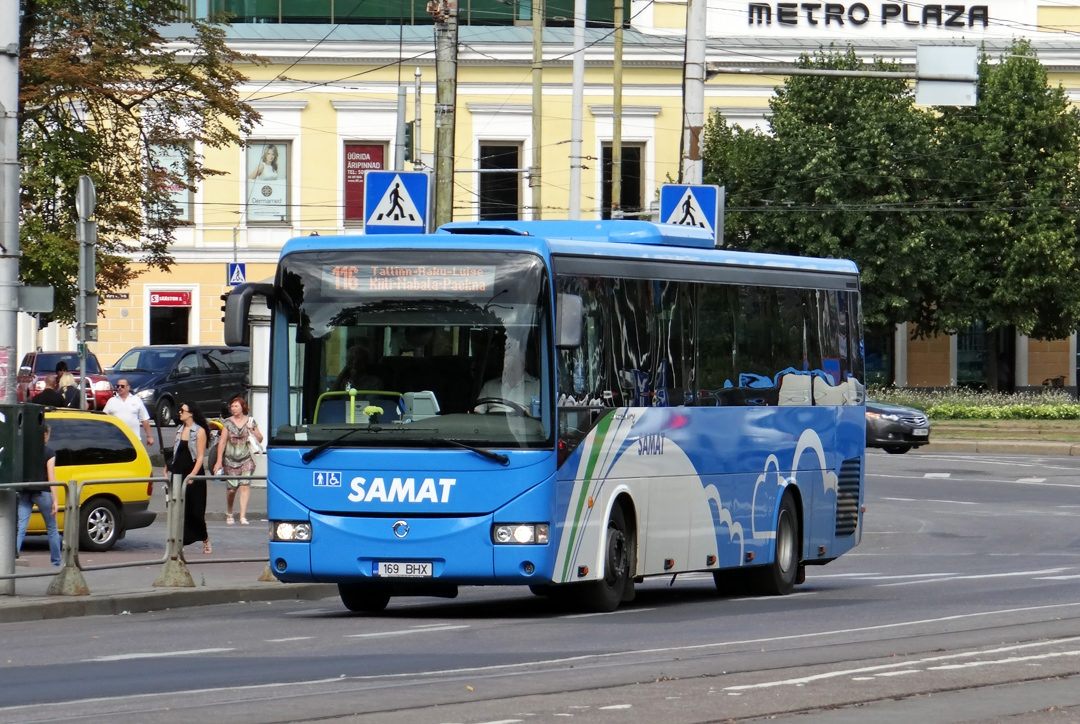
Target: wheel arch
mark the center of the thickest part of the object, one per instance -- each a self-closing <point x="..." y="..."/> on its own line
<point x="626" y="501"/>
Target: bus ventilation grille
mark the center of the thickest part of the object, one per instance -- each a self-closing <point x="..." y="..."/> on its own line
<point x="847" y="497"/>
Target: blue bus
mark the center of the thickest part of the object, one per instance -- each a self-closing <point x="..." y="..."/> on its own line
<point x="572" y="406"/>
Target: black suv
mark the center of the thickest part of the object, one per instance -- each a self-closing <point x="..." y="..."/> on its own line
<point x="165" y="376"/>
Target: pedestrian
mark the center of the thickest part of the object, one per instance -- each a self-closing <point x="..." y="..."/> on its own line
<point x="49" y="396"/>
<point x="45" y="500"/>
<point x="235" y="459"/>
<point x="68" y="390"/>
<point x="130" y="410"/>
<point x="189" y="447"/>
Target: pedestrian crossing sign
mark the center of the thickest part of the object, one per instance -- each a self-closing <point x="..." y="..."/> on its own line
<point x="236" y="273"/>
<point x="698" y="206"/>
<point x="396" y="202"/>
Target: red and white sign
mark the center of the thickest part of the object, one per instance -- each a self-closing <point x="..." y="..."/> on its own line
<point x="359" y="157"/>
<point x="170" y="299"/>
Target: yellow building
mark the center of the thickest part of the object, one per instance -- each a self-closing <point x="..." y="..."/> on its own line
<point x="329" y="95"/>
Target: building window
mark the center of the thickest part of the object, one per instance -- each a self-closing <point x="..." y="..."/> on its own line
<point x="500" y="191"/>
<point x="360" y="158"/>
<point x="173" y="160"/>
<point x="268" y="182"/>
<point x="630" y="200"/>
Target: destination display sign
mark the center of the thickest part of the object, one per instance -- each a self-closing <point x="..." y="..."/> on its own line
<point x="410" y="280"/>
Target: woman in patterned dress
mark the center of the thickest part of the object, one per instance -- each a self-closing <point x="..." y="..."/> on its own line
<point x="235" y="460"/>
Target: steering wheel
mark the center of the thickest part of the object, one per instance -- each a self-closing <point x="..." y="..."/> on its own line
<point x="515" y="408"/>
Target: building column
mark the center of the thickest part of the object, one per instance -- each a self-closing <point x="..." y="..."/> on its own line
<point x="900" y="341"/>
<point x="953" y="355"/>
<point x="1021" y="363"/>
<point x="1072" y="360"/>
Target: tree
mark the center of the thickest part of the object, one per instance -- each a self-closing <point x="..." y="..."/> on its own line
<point x="1012" y="187"/>
<point x="103" y="93"/>
<point x="838" y="177"/>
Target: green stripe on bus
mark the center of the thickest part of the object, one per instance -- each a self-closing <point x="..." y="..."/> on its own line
<point x="594" y="454"/>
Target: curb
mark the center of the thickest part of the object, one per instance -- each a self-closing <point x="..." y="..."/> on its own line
<point x="1008" y="447"/>
<point x="40" y="608"/>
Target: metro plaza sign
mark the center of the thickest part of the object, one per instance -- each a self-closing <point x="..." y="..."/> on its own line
<point x="836" y="14"/>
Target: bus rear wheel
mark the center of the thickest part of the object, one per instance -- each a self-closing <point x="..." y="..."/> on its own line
<point x="605" y="594"/>
<point x="362" y="599"/>
<point x="778" y="578"/>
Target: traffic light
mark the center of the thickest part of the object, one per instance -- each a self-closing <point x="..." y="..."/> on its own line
<point x="409" y="141"/>
<point x="224" y="304"/>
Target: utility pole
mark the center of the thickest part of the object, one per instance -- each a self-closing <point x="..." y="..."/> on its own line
<point x="399" y="140"/>
<point x="690" y="169"/>
<point x="538" y="12"/>
<point x="577" y="108"/>
<point x="616" y="116"/>
<point x="9" y="255"/>
<point x="446" y="41"/>
<point x="86" y="235"/>
<point x="417" y="158"/>
<point x="9" y="199"/>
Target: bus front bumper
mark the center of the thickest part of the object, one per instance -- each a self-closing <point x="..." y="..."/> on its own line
<point x="409" y="551"/>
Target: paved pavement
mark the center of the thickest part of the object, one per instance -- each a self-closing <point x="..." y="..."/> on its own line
<point x="219" y="578"/>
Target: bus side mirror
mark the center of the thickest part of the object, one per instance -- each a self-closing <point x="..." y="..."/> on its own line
<point x="568" y="323"/>
<point x="237" y="331"/>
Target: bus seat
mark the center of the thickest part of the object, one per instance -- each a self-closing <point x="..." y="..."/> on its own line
<point x="795" y="389"/>
<point x="333" y="407"/>
<point x="420" y="405"/>
<point x="827" y="394"/>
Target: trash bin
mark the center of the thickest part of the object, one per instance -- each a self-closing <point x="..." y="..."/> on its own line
<point x="22" y="441"/>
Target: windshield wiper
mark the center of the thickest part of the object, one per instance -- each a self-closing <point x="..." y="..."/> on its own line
<point x="490" y="454"/>
<point x="322" y="446"/>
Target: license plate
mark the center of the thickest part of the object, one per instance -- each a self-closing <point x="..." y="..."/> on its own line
<point x="403" y="569"/>
<point x="920" y="432"/>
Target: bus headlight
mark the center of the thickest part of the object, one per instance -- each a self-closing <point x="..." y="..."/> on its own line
<point x="287" y="530"/>
<point x="520" y="533"/>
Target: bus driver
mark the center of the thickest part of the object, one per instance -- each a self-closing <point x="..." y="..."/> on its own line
<point x="514" y="390"/>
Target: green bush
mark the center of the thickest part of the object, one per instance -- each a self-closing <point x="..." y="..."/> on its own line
<point x="957" y="403"/>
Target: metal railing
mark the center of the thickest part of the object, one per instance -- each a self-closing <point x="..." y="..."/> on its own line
<point x="69" y="581"/>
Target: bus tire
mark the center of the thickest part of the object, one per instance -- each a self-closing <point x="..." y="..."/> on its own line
<point x="605" y="594"/>
<point x="359" y="598"/>
<point x="778" y="578"/>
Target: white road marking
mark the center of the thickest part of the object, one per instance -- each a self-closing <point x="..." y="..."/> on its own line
<point x="930" y="500"/>
<point x="307" y="612"/>
<point x="845" y="634"/>
<point x="379" y="634"/>
<point x="608" y="613"/>
<point x="845" y="575"/>
<point x="908" y="575"/>
<point x="1031" y="480"/>
<point x="291" y="638"/>
<point x="937" y="475"/>
<point x="899" y="673"/>
<point x="1010" y="660"/>
<point x="503" y="721"/>
<point x="1058" y="578"/>
<point x="882" y="668"/>
<point x="124" y="657"/>
<point x="982" y="480"/>
<point x="1013" y="574"/>
<point x="615" y="706"/>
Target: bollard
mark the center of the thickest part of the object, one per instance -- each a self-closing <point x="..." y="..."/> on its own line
<point x="174" y="572"/>
<point x="70" y="581"/>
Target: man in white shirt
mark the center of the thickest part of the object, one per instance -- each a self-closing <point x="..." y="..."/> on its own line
<point x="130" y="410"/>
<point x="515" y="385"/>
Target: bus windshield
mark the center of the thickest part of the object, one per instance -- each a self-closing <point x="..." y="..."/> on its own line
<point x="415" y="349"/>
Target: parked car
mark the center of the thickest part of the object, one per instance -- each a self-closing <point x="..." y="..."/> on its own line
<point x="167" y="375"/>
<point x="895" y="428"/>
<point x="95" y="446"/>
<point x="36" y="366"/>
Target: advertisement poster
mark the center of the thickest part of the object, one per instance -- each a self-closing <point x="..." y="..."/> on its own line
<point x="172" y="161"/>
<point x="268" y="181"/>
<point x="359" y="157"/>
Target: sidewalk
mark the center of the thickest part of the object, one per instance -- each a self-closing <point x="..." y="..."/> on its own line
<point x="130" y="590"/>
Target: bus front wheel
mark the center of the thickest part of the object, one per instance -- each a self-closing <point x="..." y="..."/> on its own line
<point x="778" y="578"/>
<point x="362" y="599"/>
<point x="605" y="594"/>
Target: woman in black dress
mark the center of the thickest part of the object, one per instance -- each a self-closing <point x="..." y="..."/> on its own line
<point x="189" y="447"/>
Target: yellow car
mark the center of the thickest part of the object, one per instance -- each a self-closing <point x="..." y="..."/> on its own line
<point x="95" y="446"/>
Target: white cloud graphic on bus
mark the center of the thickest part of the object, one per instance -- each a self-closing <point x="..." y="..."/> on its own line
<point x="402" y="490"/>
